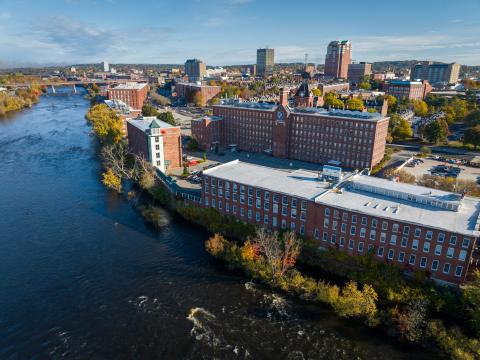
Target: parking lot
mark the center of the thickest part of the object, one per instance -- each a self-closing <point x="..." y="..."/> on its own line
<point x="442" y="168"/>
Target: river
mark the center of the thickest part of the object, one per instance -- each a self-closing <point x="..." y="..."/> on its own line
<point x="82" y="276"/>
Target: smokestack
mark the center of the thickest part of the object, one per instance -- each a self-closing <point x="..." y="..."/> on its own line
<point x="384" y="107"/>
<point x="283" y="97"/>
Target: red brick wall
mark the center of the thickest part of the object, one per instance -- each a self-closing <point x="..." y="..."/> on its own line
<point x="172" y="147"/>
<point x="137" y="141"/>
<point x="135" y="98"/>
<point x="313" y="225"/>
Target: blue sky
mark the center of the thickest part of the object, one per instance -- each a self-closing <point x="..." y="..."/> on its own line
<point x="38" y="32"/>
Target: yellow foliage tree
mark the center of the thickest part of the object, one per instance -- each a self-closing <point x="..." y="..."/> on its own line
<point x="111" y="180"/>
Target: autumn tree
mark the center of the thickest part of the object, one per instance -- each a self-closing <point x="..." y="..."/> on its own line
<point x="355" y="104"/>
<point x="316" y="92"/>
<point x="402" y="130"/>
<point x="331" y="100"/>
<point x="420" y="107"/>
<point x="401" y="175"/>
<point x="106" y="124"/>
<point x="198" y="99"/>
<point x="112" y="181"/>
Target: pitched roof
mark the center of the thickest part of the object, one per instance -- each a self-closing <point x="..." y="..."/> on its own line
<point x="303" y="90"/>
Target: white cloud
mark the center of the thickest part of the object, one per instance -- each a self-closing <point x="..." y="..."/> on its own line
<point x="213" y="22"/>
<point x="5" y="15"/>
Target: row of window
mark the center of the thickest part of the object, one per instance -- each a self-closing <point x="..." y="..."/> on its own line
<point x="391" y="255"/>
<point x="385" y="226"/>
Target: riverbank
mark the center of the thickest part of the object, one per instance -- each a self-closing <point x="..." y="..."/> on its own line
<point x="413" y="311"/>
<point x="19" y="99"/>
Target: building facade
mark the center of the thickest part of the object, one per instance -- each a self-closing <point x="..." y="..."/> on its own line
<point x="357" y="72"/>
<point x="333" y="87"/>
<point x="353" y="139"/>
<point x="188" y="91"/>
<point x="195" y="70"/>
<point x="131" y="93"/>
<point x="436" y="73"/>
<point x="413" y="227"/>
<point x="265" y="61"/>
<point x="338" y="58"/>
<point x="156" y="141"/>
<point x="411" y="90"/>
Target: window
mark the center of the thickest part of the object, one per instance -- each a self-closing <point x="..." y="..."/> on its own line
<point x="384" y="226"/>
<point x="343" y="228"/>
<point x="220" y="205"/>
<point x="364" y="220"/>
<point x="393" y="239"/>
<point x="401" y="256"/>
<point x="351" y="244"/>
<point x="316" y="233"/>
<point x="333" y="239"/>
<point x="374" y="223"/>
<point x="157" y="147"/>
<point x="423" y="262"/>
<point x="412" y="259"/>
<point x="353" y="230"/>
<point x="292" y="226"/>
<point x="327" y="212"/>
<point x="354" y="219"/>
<point x="434" y="265"/>
<point x="360" y="247"/>
<point x="415" y="244"/>
<point x="440" y="237"/>
<point x="234" y="209"/>
<point x="284" y="211"/>
<point x="426" y="247"/>
<point x="404" y="241"/>
<point x="450" y="252"/>
<point x="266" y="206"/>
<point x="326" y="223"/>
<point x="417" y="232"/>
<point x="157" y="155"/>
<point x="242" y="199"/>
<point x="463" y="255"/>
<point x="242" y="212"/>
<point x="342" y="241"/>
<point x="250" y="213"/>
<point x="302" y="229"/>
<point x="258" y="203"/>
<point x="294" y="203"/>
<point x="383" y="237"/>
<point x="275" y="208"/>
<point x="390" y="254"/>
<point x="363" y="232"/>
<point x="293" y="213"/>
<point x="258" y="193"/>
<point x="227" y="207"/>
<point x="334" y="225"/>
<point x="213" y="203"/>
<point x="344" y="216"/>
<point x="438" y="250"/>
<point x="406" y="230"/>
<point x="275" y="198"/>
<point x="250" y="201"/>
<point x="250" y="191"/>
<point x="429" y="235"/>
<point x="284" y="200"/>
<point x="325" y="236"/>
<point x="395" y="228"/>
<point x="453" y="240"/>
<point x="257" y="216"/>
<point x="373" y="234"/>
<point x="465" y="243"/>
<point x="446" y="268"/>
<point x="458" y="271"/>
<point x="303" y="216"/>
<point x="380" y="252"/>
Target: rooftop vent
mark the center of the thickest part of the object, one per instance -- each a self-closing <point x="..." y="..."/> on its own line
<point x="367" y="203"/>
<point x="386" y="208"/>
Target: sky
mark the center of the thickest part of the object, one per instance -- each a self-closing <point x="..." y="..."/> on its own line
<point x="226" y="32"/>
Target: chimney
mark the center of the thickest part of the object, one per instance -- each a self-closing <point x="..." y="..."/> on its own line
<point x="384" y="107"/>
<point x="283" y="97"/>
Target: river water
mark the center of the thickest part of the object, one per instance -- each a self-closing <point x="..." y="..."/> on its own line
<point x="82" y="277"/>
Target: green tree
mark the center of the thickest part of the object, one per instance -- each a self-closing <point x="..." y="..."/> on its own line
<point x="472" y="136"/>
<point x="473" y="118"/>
<point x="471" y="294"/>
<point x="403" y="130"/>
<point x="436" y="131"/>
<point x="420" y="107"/>
<point x="149" y="110"/>
<point x="167" y="116"/>
<point x="459" y="107"/>
<point x="331" y="100"/>
<point x="355" y="104"/>
<point x="365" y="85"/>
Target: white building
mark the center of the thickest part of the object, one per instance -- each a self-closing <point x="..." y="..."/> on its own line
<point x="106" y="68"/>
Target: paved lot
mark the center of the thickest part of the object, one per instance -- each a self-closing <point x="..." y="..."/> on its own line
<point x="183" y="119"/>
<point x="466" y="173"/>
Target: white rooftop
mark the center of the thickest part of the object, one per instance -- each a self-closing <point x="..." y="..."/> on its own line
<point x="299" y="183"/>
<point x="354" y="198"/>
<point x="130" y="86"/>
<point x="144" y="122"/>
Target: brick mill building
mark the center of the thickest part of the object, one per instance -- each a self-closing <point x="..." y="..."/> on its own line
<point x="188" y="91"/>
<point x="131" y="93"/>
<point x="413" y="227"/>
<point x="351" y="139"/>
<point x="156" y="141"/>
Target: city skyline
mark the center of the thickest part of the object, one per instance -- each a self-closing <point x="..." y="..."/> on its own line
<point x="225" y="32"/>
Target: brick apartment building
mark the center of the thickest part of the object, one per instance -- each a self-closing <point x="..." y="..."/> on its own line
<point x="188" y="91"/>
<point x="353" y="139"/>
<point x="414" y="227"/>
<point x="411" y="90"/>
<point x="356" y="72"/>
<point x="333" y="87"/>
<point x="157" y="141"/>
<point x="131" y="93"/>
